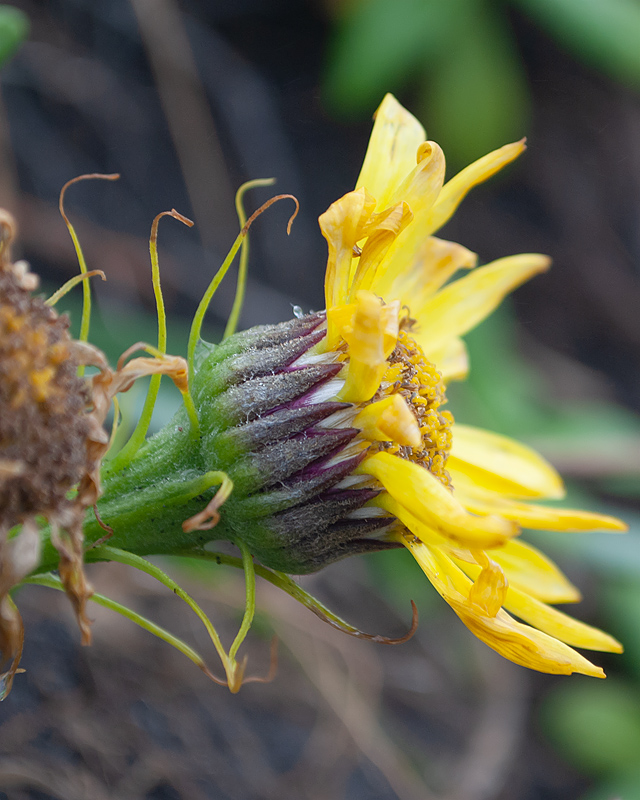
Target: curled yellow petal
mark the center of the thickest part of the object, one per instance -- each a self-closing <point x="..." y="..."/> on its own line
<point x="381" y="232"/>
<point x="390" y="419"/>
<point x="419" y="190"/>
<point x="338" y="318"/>
<point x="500" y="464"/>
<point x="431" y="503"/>
<point x="519" y="643"/>
<point x="371" y="337"/>
<point x="489" y="589"/>
<point x="454" y="191"/>
<point x="527" y="646"/>
<point x="461" y="305"/>
<point x="342" y="225"/>
<point x="391" y="154"/>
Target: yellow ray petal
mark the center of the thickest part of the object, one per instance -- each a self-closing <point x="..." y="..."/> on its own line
<point x="461" y="305"/>
<point x="451" y="359"/>
<point x="338" y="318"/>
<point x="416" y="276"/>
<point x="489" y="589"/>
<point x="500" y="464"/>
<point x="426" y="498"/>
<point x="513" y="640"/>
<point x="527" y="646"/>
<point x="389" y="420"/>
<point x="528" y="515"/>
<point x="454" y="191"/>
<point x="555" y="623"/>
<point x="419" y="190"/>
<point x="342" y="225"/>
<point x="425" y="533"/>
<point x="371" y="337"/>
<point x="391" y="154"/>
<point x="381" y="232"/>
<point x="528" y="569"/>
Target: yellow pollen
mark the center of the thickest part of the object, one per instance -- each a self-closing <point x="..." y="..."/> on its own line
<point x="40" y="380"/>
<point x="412" y="376"/>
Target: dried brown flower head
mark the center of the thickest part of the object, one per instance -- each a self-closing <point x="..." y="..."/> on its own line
<point x="44" y="423"/>
<point x="52" y="439"/>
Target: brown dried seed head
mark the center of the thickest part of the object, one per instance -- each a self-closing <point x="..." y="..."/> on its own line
<point x="43" y="403"/>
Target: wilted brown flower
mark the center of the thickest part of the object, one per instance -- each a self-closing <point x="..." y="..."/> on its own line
<point x="52" y="439"/>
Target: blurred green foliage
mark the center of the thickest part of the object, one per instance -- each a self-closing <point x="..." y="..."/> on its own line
<point x="14" y="28"/>
<point x="462" y="59"/>
<point x="595" y="725"/>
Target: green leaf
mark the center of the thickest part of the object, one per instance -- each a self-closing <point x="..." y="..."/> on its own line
<point x="14" y="29"/>
<point x="378" y="45"/>
<point x="596" y="726"/>
<point x="476" y="97"/>
<point x="603" y="33"/>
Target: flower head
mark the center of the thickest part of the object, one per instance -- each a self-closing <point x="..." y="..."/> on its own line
<point x="334" y="431"/>
<point x="457" y="496"/>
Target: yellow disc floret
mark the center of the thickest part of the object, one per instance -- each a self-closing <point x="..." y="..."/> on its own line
<point x="412" y="376"/>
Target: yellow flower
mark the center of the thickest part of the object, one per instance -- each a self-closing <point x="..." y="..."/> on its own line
<point x="459" y="495"/>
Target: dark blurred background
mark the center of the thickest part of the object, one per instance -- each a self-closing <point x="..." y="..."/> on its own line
<point x="187" y="100"/>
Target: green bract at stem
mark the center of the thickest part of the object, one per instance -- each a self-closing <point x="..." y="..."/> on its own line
<point x="234" y="670"/>
<point x="294" y="590"/>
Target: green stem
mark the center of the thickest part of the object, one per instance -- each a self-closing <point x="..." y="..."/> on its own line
<point x="232" y="322"/>
<point x="70" y="284"/>
<point x="52" y="582"/>
<point x="140" y="432"/>
<point x="86" y="293"/>
<point x="196" y="325"/>
<point x="250" y="602"/>
<point x="106" y="553"/>
<point x="283" y="582"/>
<point x="86" y="289"/>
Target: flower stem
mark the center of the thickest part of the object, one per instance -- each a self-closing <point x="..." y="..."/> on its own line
<point x="106" y="553"/>
<point x="52" y="582"/>
<point x="250" y="603"/>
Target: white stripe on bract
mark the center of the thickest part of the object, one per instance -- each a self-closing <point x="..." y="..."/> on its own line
<point x="326" y="391"/>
